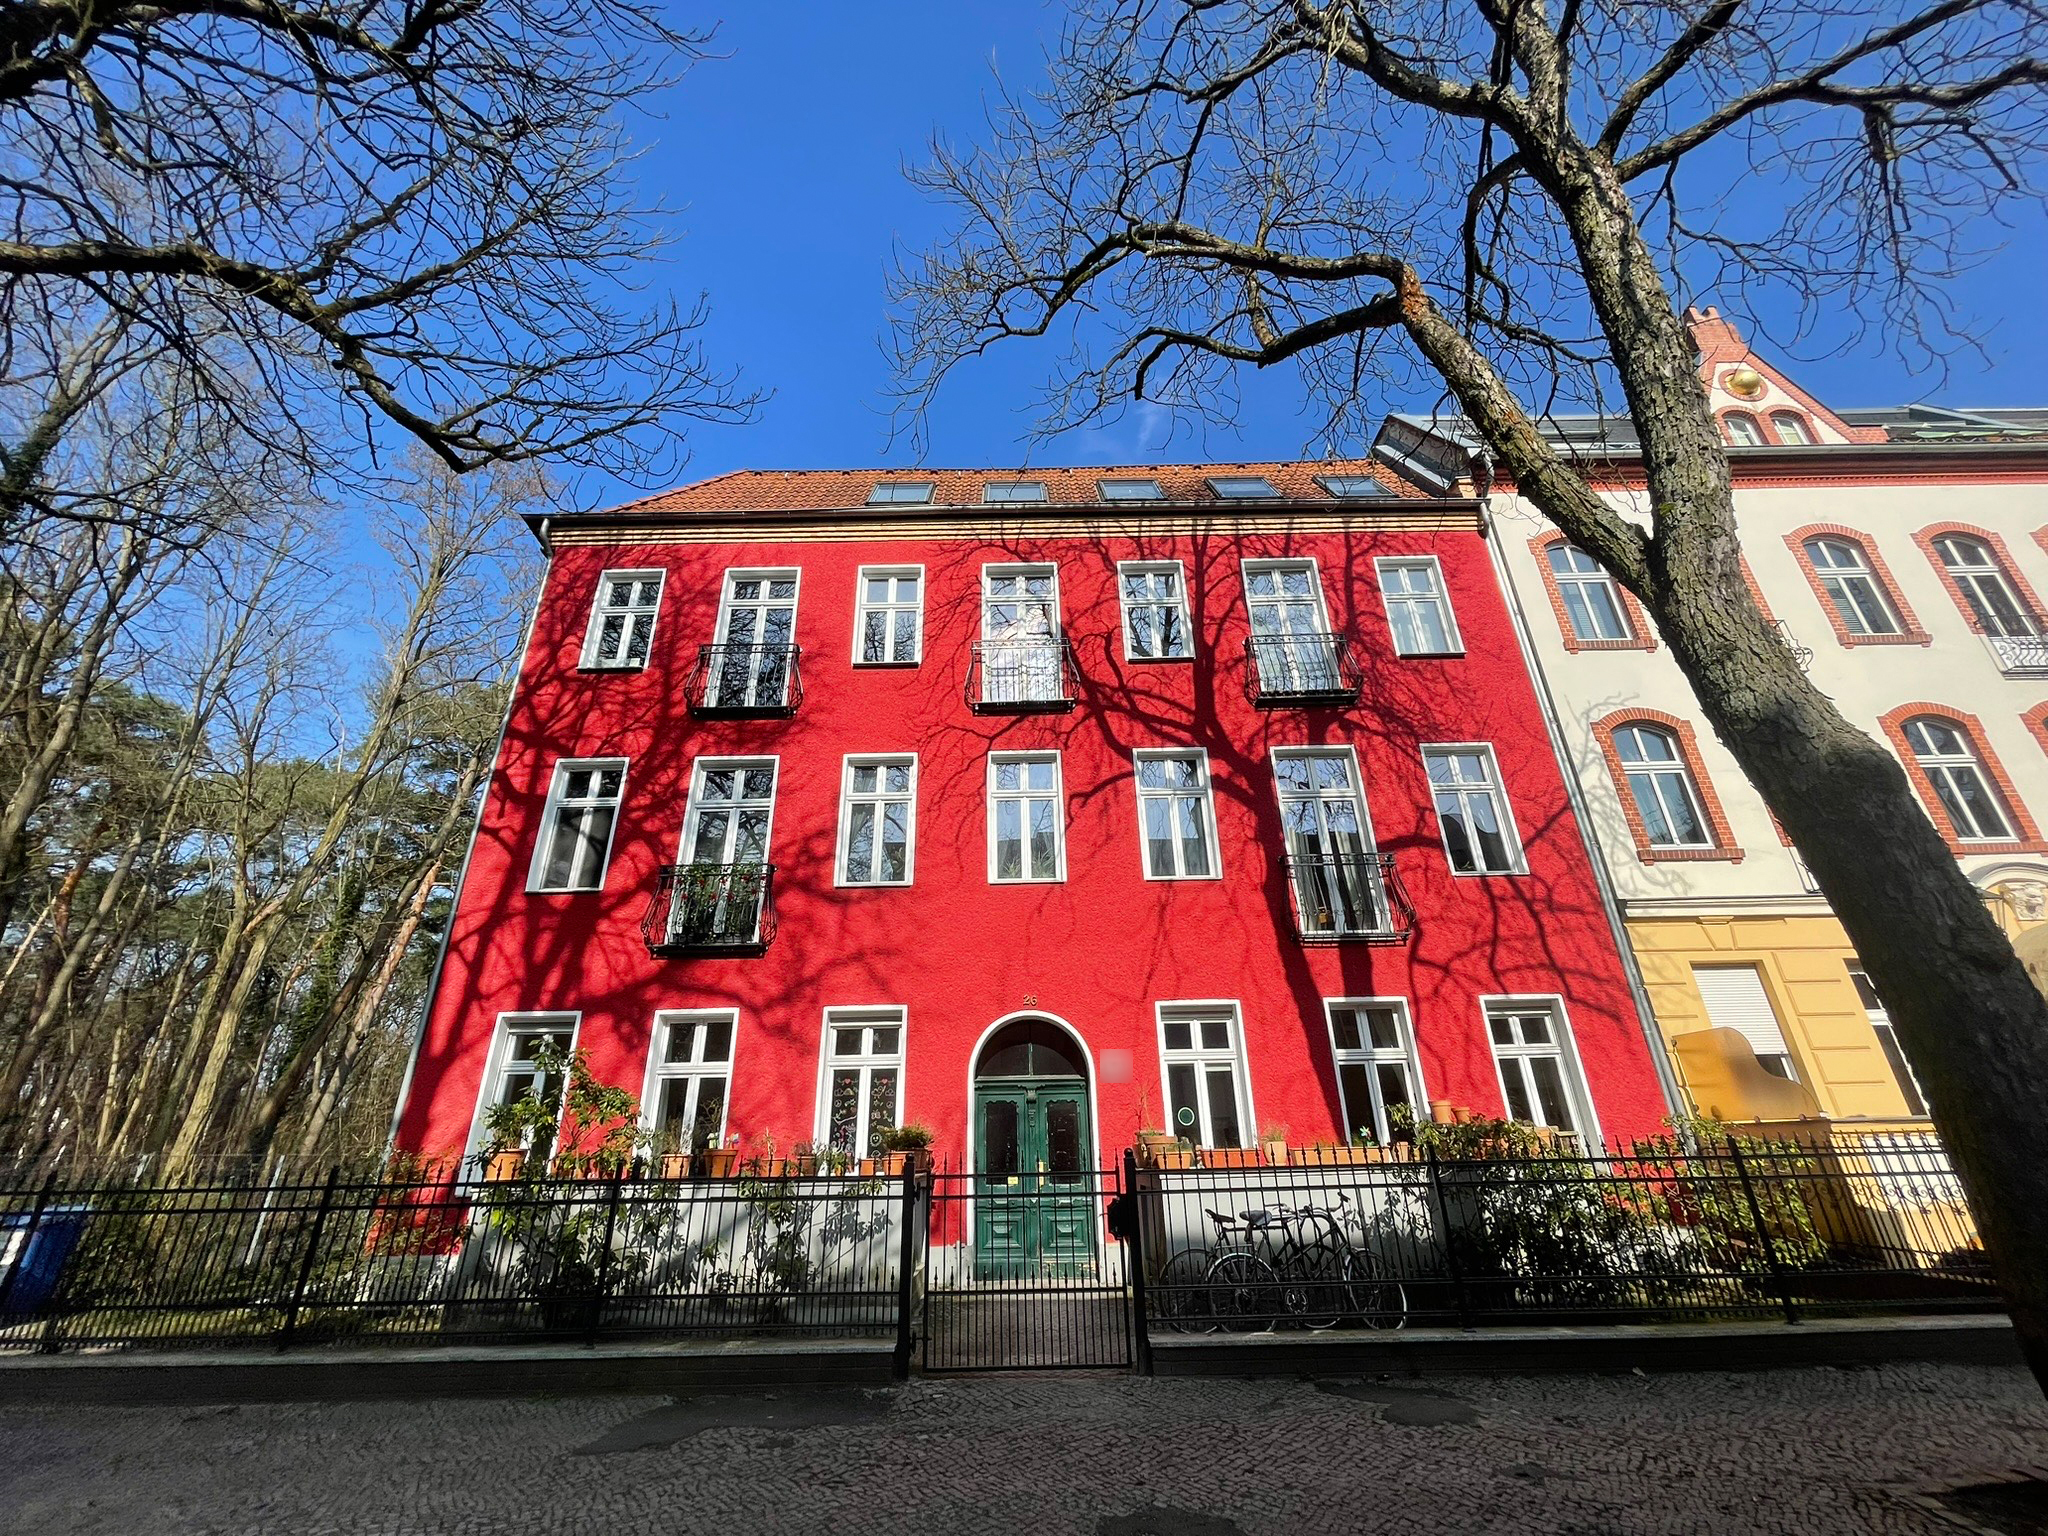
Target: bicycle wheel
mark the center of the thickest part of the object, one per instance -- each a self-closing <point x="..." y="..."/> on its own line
<point x="1376" y="1297"/>
<point x="1180" y="1296"/>
<point x="1313" y="1287"/>
<point x="1241" y="1292"/>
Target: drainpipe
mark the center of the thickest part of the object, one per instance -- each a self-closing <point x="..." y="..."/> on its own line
<point x="419" y="1036"/>
<point x="1667" y="1079"/>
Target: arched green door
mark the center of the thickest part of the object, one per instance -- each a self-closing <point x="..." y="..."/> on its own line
<point x="1034" y="1211"/>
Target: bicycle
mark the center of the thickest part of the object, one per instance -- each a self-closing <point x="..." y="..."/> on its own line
<point x="1376" y="1298"/>
<point x="1303" y="1268"/>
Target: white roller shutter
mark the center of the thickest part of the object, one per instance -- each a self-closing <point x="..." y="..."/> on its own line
<point x="1735" y="999"/>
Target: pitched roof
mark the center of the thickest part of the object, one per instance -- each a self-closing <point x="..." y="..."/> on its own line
<point x="803" y="490"/>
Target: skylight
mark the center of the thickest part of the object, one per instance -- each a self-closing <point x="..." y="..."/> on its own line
<point x="1242" y="487"/>
<point x="1130" y="490"/>
<point x="900" y="492"/>
<point x="1353" y="487"/>
<point x="1013" y="490"/>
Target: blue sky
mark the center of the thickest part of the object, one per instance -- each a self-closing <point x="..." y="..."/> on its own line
<point x="781" y="167"/>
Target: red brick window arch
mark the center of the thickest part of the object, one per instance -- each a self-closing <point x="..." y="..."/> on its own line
<point x="1978" y="570"/>
<point x="1669" y="802"/>
<point x="1960" y="780"/>
<point x="2036" y="721"/>
<point x="1854" y="586"/>
<point x="1594" y="611"/>
<point x="1792" y="429"/>
<point x="1741" y="429"/>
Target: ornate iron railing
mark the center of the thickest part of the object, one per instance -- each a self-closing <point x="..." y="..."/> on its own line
<point x="1284" y="671"/>
<point x="1353" y="898"/>
<point x="736" y="681"/>
<point x="711" y="909"/>
<point x="2020" y="655"/>
<point x="1016" y="677"/>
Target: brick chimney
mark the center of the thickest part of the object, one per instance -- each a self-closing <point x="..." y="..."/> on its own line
<point x="1717" y="339"/>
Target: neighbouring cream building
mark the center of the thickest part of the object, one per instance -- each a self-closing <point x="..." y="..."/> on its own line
<point x="1903" y="551"/>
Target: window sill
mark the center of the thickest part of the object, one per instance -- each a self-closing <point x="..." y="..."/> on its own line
<point x="1690" y="855"/>
<point x="891" y="666"/>
<point x="1964" y="849"/>
<point x="1457" y="655"/>
<point x="1910" y="637"/>
<point x="1608" y="645"/>
<point x="1155" y="661"/>
<point x="1489" y="874"/>
<point x="611" y="666"/>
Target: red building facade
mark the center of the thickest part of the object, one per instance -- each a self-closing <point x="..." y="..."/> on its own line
<point x="1036" y="809"/>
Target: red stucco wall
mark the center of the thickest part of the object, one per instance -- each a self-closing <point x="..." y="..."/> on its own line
<point x="1097" y="951"/>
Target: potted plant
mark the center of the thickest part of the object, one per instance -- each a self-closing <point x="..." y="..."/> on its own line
<point x="504" y="1164"/>
<point x="1273" y="1140"/>
<point x="1330" y="1154"/>
<point x="1230" y="1157"/>
<point x="804" y="1157"/>
<point x="718" y="1160"/>
<point x="904" y="1146"/>
<point x="1175" y="1154"/>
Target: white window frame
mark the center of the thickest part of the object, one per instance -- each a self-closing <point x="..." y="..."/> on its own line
<point x="1194" y="1010"/>
<point x="1156" y="493"/>
<point x="1975" y="581"/>
<point x="1180" y="578"/>
<point x="1835" y="583"/>
<point x="531" y="1022"/>
<point x="1581" y="581"/>
<point x="1059" y="793"/>
<point x="1802" y="431"/>
<point x="1025" y="568"/>
<point x="1564" y="1039"/>
<point x="860" y="1016"/>
<point x="1496" y="785"/>
<point x="862" y="608"/>
<point x="1887" y="1033"/>
<point x="991" y="487"/>
<point x="1679" y="767"/>
<point x="1744" y="430"/>
<point x="660" y="1071"/>
<point x="791" y="573"/>
<point x="848" y="799"/>
<point x="551" y="809"/>
<point x="1454" y="643"/>
<point x="600" y="610"/>
<point x="1208" y="812"/>
<point x="880" y="493"/>
<point x="1940" y="768"/>
<point x="1370" y="1056"/>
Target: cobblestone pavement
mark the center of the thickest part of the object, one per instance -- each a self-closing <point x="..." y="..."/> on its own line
<point x="1786" y="1451"/>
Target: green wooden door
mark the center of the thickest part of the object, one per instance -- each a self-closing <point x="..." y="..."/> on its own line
<point x="1034" y="1211"/>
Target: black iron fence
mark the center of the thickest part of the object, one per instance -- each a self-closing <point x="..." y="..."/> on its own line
<point x="719" y="908"/>
<point x="738" y="680"/>
<point x="1349" y="897"/>
<point x="1651" y="1231"/>
<point x="455" y="1260"/>
<point x="1032" y="676"/>
<point x="1300" y="670"/>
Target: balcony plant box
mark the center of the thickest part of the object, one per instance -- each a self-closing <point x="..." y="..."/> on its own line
<point x="1327" y="1155"/>
<point x="1177" y="1156"/>
<point x="1230" y="1157"/>
<point x="1151" y="1144"/>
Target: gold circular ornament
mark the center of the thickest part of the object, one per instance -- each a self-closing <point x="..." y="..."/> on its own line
<point x="1745" y="383"/>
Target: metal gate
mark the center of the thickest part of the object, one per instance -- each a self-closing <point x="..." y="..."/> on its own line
<point x="1022" y="1274"/>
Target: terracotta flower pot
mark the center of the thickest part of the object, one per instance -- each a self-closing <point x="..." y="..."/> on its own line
<point x="1173" y="1157"/>
<point x="1328" y="1157"/>
<point x="504" y="1166"/>
<point x="674" y="1165"/>
<point x="890" y="1165"/>
<point x="718" y="1162"/>
<point x="1230" y="1157"/>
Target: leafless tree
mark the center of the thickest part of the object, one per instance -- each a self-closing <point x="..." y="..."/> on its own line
<point x="424" y="204"/>
<point x="1513" y="197"/>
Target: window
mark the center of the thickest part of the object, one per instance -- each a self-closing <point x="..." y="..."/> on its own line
<point x="863" y="1078"/>
<point x="1291" y="644"/>
<point x="892" y="493"/>
<point x="877" y="809"/>
<point x="1354" y="487"/>
<point x="1949" y="760"/>
<point x="1660" y="783"/>
<point x="690" y="1080"/>
<point x="889" y="616"/>
<point x="1592" y="602"/>
<point x="1130" y="490"/>
<point x="1845" y="577"/>
<point x="1332" y="865"/>
<point x="1984" y="584"/>
<point x="1176" y="816"/>
<point x="1888" y="1042"/>
<point x="725" y="846"/>
<point x="1205" y="1092"/>
<point x="1472" y="810"/>
<point x="1376" y="1066"/>
<point x="576" y="828"/>
<point x="622" y="619"/>
<point x="518" y="1069"/>
<point x="1021" y="646"/>
<point x="1242" y="487"/>
<point x="1792" y="429"/>
<point x="1418" y="611"/>
<point x="1735" y="999"/>
<point x="1155" y="611"/>
<point x="1743" y="432"/>
<point x="1026" y="817"/>
<point x="1538" y="1080"/>
<point x="1012" y="491"/>
<point x="751" y="659"/>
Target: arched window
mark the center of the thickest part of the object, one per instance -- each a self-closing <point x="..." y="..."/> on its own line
<point x="1662" y="787"/>
<point x="1846" y="578"/>
<point x="1792" y="429"/>
<point x="1592" y="602"/>
<point x="1985" y="585"/>
<point x="1743" y="432"/>
<point x="1956" y="774"/>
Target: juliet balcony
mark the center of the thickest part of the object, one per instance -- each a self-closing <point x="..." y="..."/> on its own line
<point x="1349" y="898"/>
<point x="747" y="681"/>
<point x="711" y="909"/>
<point x="1022" y="677"/>
<point x="1300" y="671"/>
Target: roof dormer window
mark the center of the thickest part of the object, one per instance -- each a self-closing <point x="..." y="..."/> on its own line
<point x="1792" y="429"/>
<point x="1242" y="487"/>
<point x="1743" y="432"/>
<point x="1354" y="487"/>
<point x="900" y="493"/>
<point x="1010" y="492"/>
<point x="1130" y="490"/>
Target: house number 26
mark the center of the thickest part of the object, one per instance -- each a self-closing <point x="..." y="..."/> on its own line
<point x="1030" y="999"/>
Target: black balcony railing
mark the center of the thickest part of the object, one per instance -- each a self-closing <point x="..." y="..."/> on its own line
<point x="1349" y="898"/>
<point x="711" y="909"/>
<point x="1019" y="677"/>
<point x="1288" y="671"/>
<point x="746" y="680"/>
